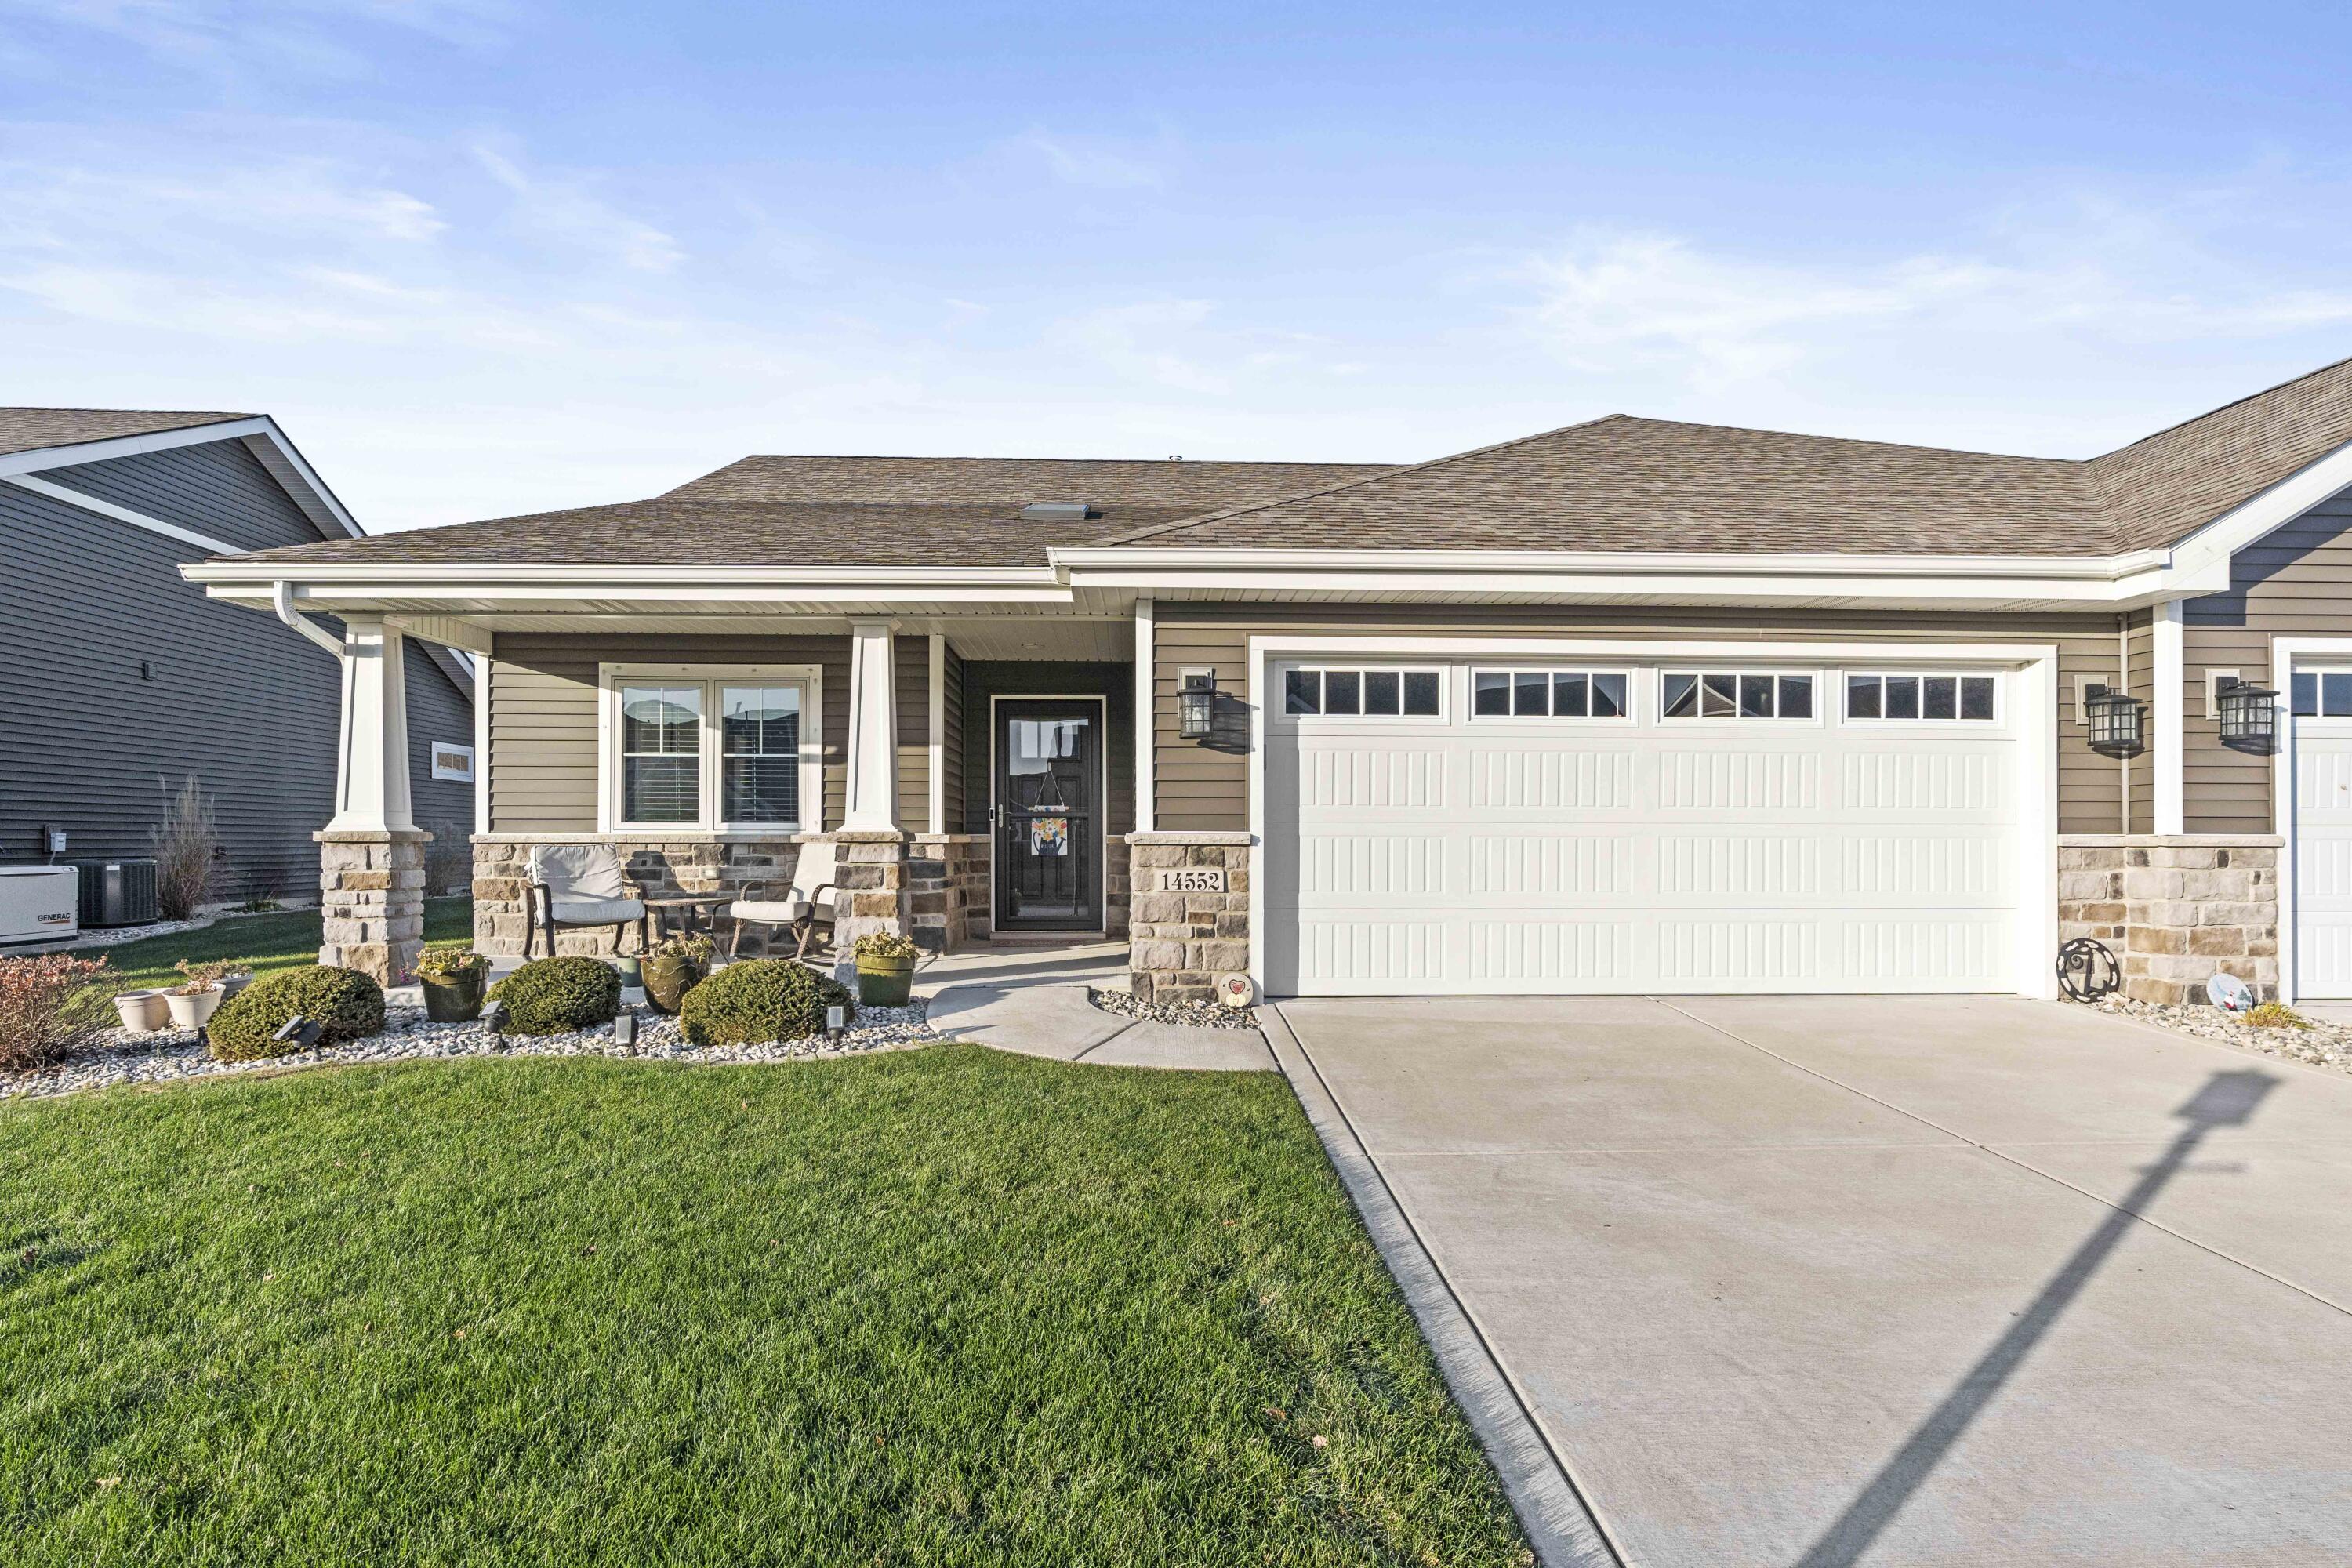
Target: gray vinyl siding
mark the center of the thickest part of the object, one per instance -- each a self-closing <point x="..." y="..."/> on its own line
<point x="1115" y="683"/>
<point x="237" y="700"/>
<point x="912" y="659"/>
<point x="1203" y="785"/>
<point x="2139" y="680"/>
<point x="2294" y="582"/>
<point x="543" y="762"/>
<point x="217" y="488"/>
<point x="952" y="745"/>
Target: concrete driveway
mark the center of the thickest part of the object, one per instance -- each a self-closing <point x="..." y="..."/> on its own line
<point x="1859" y="1280"/>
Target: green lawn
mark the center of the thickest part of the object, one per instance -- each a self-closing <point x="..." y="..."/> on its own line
<point x="265" y="941"/>
<point x="946" y="1306"/>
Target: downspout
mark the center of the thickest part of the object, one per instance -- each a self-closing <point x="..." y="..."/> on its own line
<point x="281" y="597"/>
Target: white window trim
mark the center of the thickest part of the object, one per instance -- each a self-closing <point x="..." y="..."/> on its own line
<point x="1999" y="721"/>
<point x="1631" y="678"/>
<point x="1811" y="672"/>
<point x="1359" y="669"/>
<point x="436" y="750"/>
<point x="611" y="677"/>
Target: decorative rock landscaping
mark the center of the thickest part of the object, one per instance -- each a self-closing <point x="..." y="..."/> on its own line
<point x="2323" y="1045"/>
<point x="1191" y="1015"/>
<point x="117" y="1056"/>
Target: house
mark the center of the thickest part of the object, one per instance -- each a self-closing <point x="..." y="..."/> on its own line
<point x="119" y="682"/>
<point x="1631" y="706"/>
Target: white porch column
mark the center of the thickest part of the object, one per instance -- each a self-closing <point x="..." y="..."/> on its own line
<point x="371" y="768"/>
<point x="2170" y="762"/>
<point x="1146" y="718"/>
<point x="873" y="749"/>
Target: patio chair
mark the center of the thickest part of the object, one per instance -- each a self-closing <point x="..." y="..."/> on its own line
<point x="580" y="885"/>
<point x="814" y="899"/>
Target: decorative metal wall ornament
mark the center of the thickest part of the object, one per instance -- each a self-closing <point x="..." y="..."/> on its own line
<point x="2249" y="717"/>
<point x="2087" y="970"/>
<point x="2119" y="724"/>
<point x="1196" y="706"/>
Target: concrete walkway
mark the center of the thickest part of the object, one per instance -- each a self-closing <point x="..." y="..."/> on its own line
<point x="1033" y="1001"/>
<point x="1835" y="1281"/>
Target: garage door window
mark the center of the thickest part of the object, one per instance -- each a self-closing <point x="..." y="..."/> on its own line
<point x="1548" y="693"/>
<point x="1360" y="693"/>
<point x="1738" y="694"/>
<point x="2323" y="694"/>
<point x="1955" y="698"/>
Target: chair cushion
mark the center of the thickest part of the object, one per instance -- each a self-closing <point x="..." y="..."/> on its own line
<point x="596" y="911"/>
<point x="768" y="912"/>
<point x="579" y="871"/>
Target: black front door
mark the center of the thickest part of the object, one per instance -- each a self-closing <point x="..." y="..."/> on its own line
<point x="1049" y="774"/>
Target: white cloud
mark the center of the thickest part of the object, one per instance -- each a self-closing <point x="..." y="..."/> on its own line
<point x="230" y="39"/>
<point x="1143" y="341"/>
<point x="563" y="210"/>
<point x="1092" y="161"/>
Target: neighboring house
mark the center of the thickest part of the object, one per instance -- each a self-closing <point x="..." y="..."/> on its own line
<point x="1634" y="705"/>
<point x="119" y="682"/>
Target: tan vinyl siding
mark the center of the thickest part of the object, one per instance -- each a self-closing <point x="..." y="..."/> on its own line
<point x="1204" y="785"/>
<point x="2295" y="582"/>
<point x="912" y="657"/>
<point x="543" y="773"/>
<point x="2139" y="680"/>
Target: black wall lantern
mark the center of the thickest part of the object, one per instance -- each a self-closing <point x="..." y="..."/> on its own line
<point x="1196" y="705"/>
<point x="2118" y="723"/>
<point x="2249" y="715"/>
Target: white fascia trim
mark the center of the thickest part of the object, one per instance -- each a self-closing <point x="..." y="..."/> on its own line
<point x="474" y="576"/>
<point x="2036" y="718"/>
<point x="80" y="452"/>
<point x="2222" y="538"/>
<point x="107" y="509"/>
<point x="1730" y="562"/>
<point x="2169" y="752"/>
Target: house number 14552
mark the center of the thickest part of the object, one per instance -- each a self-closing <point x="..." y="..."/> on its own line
<point x="1193" y="879"/>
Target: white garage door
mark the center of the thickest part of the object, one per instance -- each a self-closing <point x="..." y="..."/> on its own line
<point x="2323" y="833"/>
<point x="1589" y="826"/>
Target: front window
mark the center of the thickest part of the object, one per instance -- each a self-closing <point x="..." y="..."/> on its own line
<point x="1737" y="694"/>
<point x="710" y="749"/>
<point x="1548" y="693"/>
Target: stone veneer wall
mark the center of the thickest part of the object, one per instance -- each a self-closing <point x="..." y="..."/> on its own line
<point x="372" y="902"/>
<point x="1180" y="943"/>
<point x="2175" y="907"/>
<point x="947" y="889"/>
<point x="656" y="867"/>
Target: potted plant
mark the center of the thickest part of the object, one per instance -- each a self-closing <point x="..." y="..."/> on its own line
<point x="674" y="966"/>
<point x="453" y="981"/>
<point x="192" y="1001"/>
<point x="141" y="1011"/>
<point x="886" y="968"/>
<point x="234" y="980"/>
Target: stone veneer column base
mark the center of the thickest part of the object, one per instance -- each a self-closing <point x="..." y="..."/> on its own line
<point x="2175" y="907"/>
<point x="947" y="886"/>
<point x="372" y="902"/>
<point x="872" y="869"/>
<point x="1179" y="944"/>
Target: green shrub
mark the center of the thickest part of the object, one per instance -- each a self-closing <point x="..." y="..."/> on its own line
<point x="760" y="1000"/>
<point x="557" y="996"/>
<point x="343" y="1002"/>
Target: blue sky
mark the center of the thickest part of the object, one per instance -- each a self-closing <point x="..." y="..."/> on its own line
<point x="483" y="257"/>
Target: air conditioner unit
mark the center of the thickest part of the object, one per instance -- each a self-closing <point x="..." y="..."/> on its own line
<point x="37" y="903"/>
<point x="117" y="892"/>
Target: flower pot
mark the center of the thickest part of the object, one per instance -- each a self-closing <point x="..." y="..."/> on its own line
<point x="883" y="982"/>
<point x="230" y="984"/>
<point x="141" y="1011"/>
<point x="193" y="1012"/>
<point x="667" y="979"/>
<point x="454" y="998"/>
<point x="632" y="971"/>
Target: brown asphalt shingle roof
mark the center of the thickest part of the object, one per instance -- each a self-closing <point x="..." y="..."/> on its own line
<point x="29" y="429"/>
<point x="1624" y="483"/>
<point x="1618" y="483"/>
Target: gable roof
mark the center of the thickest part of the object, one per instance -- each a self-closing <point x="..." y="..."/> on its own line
<point x="1621" y="483"/>
<point x="30" y="429"/>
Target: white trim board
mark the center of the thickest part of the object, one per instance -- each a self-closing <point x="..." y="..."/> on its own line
<point x="2032" y="714"/>
<point x="76" y="453"/>
<point x="107" y="509"/>
<point x="610" y="677"/>
<point x="2284" y="652"/>
<point x="1102" y="811"/>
